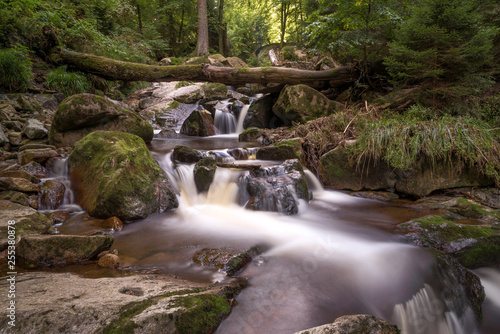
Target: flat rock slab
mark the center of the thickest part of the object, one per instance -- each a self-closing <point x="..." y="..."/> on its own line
<point x="67" y="303"/>
<point x="48" y="250"/>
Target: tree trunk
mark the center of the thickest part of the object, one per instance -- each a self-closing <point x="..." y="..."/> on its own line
<point x="119" y="70"/>
<point x="202" y="44"/>
<point x="139" y="17"/>
<point x="222" y="50"/>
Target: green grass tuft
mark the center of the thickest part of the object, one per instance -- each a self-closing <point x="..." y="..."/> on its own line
<point x="15" y="69"/>
<point x="402" y="140"/>
<point x="68" y="83"/>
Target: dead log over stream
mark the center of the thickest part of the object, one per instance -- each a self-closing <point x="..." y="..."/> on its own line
<point x="119" y="70"/>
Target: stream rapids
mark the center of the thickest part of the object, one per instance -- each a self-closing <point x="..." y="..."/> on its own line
<point x="335" y="257"/>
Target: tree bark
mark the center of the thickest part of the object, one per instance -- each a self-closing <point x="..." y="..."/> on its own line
<point x="202" y="44"/>
<point x="119" y="70"/>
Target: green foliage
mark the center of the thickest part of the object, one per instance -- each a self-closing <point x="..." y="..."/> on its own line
<point x="249" y="27"/>
<point x="289" y="53"/>
<point x="401" y="140"/>
<point x="348" y="30"/>
<point x="15" y="69"/>
<point x="68" y="83"/>
<point x="442" y="41"/>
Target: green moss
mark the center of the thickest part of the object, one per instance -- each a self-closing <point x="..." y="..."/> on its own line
<point x="471" y="209"/>
<point x="173" y="105"/>
<point x="483" y="254"/>
<point x="204" y="313"/>
<point x="450" y="231"/>
<point x="124" y="325"/>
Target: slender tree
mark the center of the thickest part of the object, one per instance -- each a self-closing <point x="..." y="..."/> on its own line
<point x="202" y="44"/>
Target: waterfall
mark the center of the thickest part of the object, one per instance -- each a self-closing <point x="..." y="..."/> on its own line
<point x="224" y="122"/>
<point x="60" y="173"/>
<point x="425" y="312"/>
<point x="222" y="191"/>
<point x="241" y="118"/>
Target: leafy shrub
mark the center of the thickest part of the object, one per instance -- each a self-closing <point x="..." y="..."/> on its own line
<point x="68" y="83"/>
<point x="15" y="69"/>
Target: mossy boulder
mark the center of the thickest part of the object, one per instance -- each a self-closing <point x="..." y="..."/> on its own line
<point x="214" y="91"/>
<point x="114" y="174"/>
<point x="186" y="154"/>
<point x="474" y="246"/>
<point x="199" y="123"/>
<point x="49" y="250"/>
<point x="301" y="103"/>
<point x="251" y="134"/>
<point x="424" y="177"/>
<point x="234" y="62"/>
<point x="202" y="313"/>
<point x="204" y="172"/>
<point x="357" y="323"/>
<point x="338" y="171"/>
<point x="283" y="150"/>
<point x="81" y="114"/>
<point x="28" y="221"/>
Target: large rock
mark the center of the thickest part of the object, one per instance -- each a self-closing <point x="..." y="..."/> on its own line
<point x="204" y="172"/>
<point x="114" y="174"/>
<point x="37" y="155"/>
<point x="301" y="103"/>
<point x="49" y="250"/>
<point x="260" y="113"/>
<point x="424" y="177"/>
<point x="283" y="150"/>
<point x="186" y="154"/>
<point x="474" y="246"/>
<point x="28" y="221"/>
<point x="275" y="188"/>
<point x="355" y="324"/>
<point x="52" y="194"/>
<point x="34" y="129"/>
<point x="199" y="123"/>
<point x="18" y="184"/>
<point x="81" y="114"/>
<point x="214" y="91"/>
<point x="337" y="170"/>
<point x="68" y="303"/>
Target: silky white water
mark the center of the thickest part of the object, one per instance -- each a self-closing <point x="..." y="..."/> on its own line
<point x="316" y="267"/>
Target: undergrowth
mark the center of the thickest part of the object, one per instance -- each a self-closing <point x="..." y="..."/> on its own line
<point x="15" y="69"/>
<point x="325" y="133"/>
<point x="401" y="140"/>
<point x="68" y="83"/>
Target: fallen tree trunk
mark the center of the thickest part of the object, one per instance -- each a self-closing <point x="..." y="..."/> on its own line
<point x="119" y="70"/>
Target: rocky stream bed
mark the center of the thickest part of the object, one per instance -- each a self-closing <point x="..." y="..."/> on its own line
<point x="156" y="215"/>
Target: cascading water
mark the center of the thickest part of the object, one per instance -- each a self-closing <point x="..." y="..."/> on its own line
<point x="224" y="122"/>
<point x="317" y="266"/>
<point x="324" y="262"/>
<point x="241" y="118"/>
<point x="59" y="172"/>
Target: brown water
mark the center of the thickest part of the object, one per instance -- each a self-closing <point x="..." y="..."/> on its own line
<point x="336" y="257"/>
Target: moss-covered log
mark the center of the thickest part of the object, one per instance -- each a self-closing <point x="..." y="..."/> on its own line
<point x="119" y="70"/>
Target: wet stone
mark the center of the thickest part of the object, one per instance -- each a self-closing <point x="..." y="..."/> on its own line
<point x="59" y="217"/>
<point x="36" y="169"/>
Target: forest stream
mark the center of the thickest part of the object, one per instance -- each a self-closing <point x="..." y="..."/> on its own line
<point x="336" y="256"/>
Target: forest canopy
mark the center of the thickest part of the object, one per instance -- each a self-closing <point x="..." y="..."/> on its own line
<point x="451" y="47"/>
